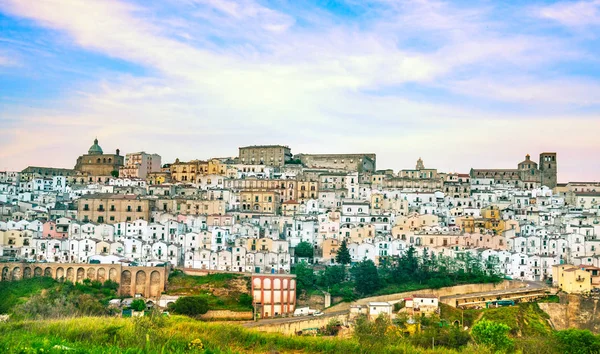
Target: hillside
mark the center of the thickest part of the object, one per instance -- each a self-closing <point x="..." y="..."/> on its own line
<point x="223" y="291"/>
<point x="524" y="320"/>
<point x="47" y="298"/>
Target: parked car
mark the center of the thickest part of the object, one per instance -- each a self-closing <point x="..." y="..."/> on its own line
<point x="318" y="313"/>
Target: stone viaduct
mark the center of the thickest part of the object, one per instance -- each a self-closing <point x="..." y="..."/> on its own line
<point x="292" y="326"/>
<point x="150" y="282"/>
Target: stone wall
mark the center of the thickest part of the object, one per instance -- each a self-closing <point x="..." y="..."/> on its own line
<point x="312" y="301"/>
<point x="227" y="315"/>
<point x="448" y="291"/>
<point x="347" y="162"/>
<point x="292" y="327"/>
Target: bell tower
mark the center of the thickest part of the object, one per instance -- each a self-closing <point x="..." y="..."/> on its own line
<point x="548" y="168"/>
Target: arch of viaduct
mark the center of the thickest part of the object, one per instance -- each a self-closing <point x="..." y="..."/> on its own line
<point x="150" y="282"/>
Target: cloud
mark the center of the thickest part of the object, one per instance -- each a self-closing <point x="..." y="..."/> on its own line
<point x="8" y="59"/>
<point x="573" y="14"/>
<point x="248" y="10"/>
<point x="220" y="74"/>
<point x="532" y="90"/>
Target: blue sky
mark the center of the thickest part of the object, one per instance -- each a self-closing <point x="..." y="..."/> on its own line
<point x="461" y="84"/>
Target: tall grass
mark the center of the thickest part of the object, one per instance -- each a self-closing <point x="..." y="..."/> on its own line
<point x="172" y="335"/>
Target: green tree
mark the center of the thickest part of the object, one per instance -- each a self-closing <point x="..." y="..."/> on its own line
<point x="190" y="306"/>
<point x="343" y="254"/>
<point x="366" y="278"/>
<point x="492" y="334"/>
<point x="115" y="174"/>
<point x="304" y="250"/>
<point x="332" y="275"/>
<point x="407" y="267"/>
<point x="138" y="305"/>
<point x="305" y="276"/>
<point x="577" y="341"/>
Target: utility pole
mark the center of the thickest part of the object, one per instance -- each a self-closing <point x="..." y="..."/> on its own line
<point x="255" y="314"/>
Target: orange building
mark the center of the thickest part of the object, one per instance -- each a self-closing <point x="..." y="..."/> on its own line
<point x="274" y="294"/>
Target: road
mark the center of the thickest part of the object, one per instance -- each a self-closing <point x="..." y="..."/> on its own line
<point x="284" y="320"/>
<point x="531" y="285"/>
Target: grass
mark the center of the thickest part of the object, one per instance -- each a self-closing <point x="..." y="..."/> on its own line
<point x="222" y="291"/>
<point x="42" y="297"/>
<point x="173" y="335"/>
<point x="18" y="292"/>
<point x="524" y="320"/>
<point x="550" y="299"/>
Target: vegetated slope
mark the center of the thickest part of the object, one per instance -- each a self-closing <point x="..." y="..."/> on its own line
<point x="47" y="298"/>
<point x="222" y="291"/>
<point x="524" y="320"/>
<point x="17" y="292"/>
<point x="173" y="335"/>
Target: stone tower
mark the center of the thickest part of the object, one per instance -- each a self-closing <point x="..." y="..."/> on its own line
<point x="548" y="168"/>
<point x="420" y="165"/>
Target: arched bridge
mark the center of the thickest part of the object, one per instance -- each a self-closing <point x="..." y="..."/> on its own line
<point x="150" y="282"/>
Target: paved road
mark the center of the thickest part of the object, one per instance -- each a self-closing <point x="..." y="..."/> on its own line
<point x="290" y="319"/>
<point x="531" y="285"/>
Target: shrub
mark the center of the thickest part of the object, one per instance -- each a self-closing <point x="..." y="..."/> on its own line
<point x="492" y="334"/>
<point x="138" y="305"/>
<point x="577" y="341"/>
<point x="245" y="300"/>
<point x="372" y="334"/>
<point x="190" y="306"/>
<point x="333" y="327"/>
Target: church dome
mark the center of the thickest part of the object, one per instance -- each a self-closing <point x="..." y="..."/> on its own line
<point x="95" y="149"/>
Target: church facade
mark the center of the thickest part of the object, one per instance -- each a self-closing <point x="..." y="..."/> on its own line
<point x="97" y="163"/>
<point x="527" y="175"/>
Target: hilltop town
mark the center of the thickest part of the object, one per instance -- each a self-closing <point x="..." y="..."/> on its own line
<point x="249" y="213"/>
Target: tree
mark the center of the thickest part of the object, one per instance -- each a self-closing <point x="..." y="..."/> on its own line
<point x="332" y="275"/>
<point x="366" y="278"/>
<point x="577" y="341"/>
<point x="114" y="173"/>
<point x="343" y="254"/>
<point x="190" y="306"/>
<point x="492" y="334"/>
<point x="138" y="305"/>
<point x="305" y="276"/>
<point x="304" y="250"/>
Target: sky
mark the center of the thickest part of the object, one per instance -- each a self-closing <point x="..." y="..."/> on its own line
<point x="461" y="84"/>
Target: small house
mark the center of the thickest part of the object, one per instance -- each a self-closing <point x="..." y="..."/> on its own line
<point x="377" y="308"/>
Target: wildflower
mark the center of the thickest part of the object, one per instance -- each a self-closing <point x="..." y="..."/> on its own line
<point x="196" y="344"/>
